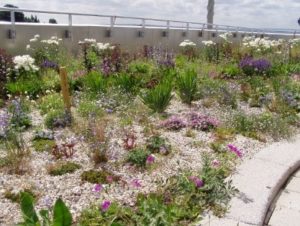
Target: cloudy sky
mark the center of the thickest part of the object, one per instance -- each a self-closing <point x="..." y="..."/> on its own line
<point x="249" y="13"/>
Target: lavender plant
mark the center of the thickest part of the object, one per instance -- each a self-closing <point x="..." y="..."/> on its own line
<point x="252" y="66"/>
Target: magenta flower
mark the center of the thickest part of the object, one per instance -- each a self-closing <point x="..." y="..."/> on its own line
<point x="97" y="188"/>
<point x="150" y="159"/>
<point x="105" y="205"/>
<point x="235" y="150"/>
<point x="136" y="183"/>
<point x="197" y="181"/>
<point x="215" y="163"/>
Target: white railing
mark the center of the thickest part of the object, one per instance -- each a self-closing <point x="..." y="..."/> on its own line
<point x="145" y="23"/>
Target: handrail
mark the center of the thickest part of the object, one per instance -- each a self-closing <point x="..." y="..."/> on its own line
<point x="187" y="25"/>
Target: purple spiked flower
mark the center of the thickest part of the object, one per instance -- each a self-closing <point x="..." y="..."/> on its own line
<point x="197" y="181"/>
<point x="235" y="150"/>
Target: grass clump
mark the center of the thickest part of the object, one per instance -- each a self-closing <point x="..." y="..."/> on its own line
<point x="187" y="86"/>
<point x="43" y="145"/>
<point x="158" y="98"/>
<point x="98" y="177"/>
<point x="60" y="168"/>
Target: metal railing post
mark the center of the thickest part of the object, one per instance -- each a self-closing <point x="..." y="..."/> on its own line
<point x="12" y="31"/>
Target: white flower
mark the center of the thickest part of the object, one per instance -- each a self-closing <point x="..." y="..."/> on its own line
<point x="27" y="47"/>
<point x="187" y="43"/>
<point x="33" y="40"/>
<point x="100" y="46"/>
<point x="25" y="62"/>
<point x="37" y="36"/>
<point x="208" y="43"/>
<point x="226" y="36"/>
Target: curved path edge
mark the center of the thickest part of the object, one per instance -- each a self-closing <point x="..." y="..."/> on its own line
<point x="259" y="180"/>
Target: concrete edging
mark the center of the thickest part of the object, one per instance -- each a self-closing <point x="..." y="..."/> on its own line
<point x="259" y="180"/>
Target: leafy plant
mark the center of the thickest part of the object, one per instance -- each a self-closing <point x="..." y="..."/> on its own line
<point x="61" y="213"/>
<point x="157" y="144"/>
<point x="51" y="102"/>
<point x="128" y="83"/>
<point x="187" y="86"/>
<point x="158" y="98"/>
<point x="138" y="157"/>
<point x="56" y="118"/>
<point x="94" y="82"/>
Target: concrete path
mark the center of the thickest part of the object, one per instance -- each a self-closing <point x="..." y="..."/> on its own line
<point x="259" y="181"/>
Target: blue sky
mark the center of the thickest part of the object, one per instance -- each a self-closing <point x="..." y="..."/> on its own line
<point x="249" y="13"/>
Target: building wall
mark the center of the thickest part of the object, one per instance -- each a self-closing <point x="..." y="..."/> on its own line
<point x="127" y="37"/>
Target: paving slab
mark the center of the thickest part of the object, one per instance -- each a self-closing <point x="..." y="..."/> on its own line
<point x="260" y="179"/>
<point x="294" y="185"/>
<point x="289" y="200"/>
<point x="285" y="217"/>
<point x="297" y="174"/>
<point x="222" y="222"/>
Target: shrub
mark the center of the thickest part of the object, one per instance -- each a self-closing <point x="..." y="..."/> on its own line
<point x="57" y="119"/>
<point x="173" y="123"/>
<point x="128" y="83"/>
<point x="201" y="122"/>
<point x="138" y="157"/>
<point x="158" y="98"/>
<point x="231" y="71"/>
<point x="98" y="177"/>
<point x="60" y="168"/>
<point x="20" y="118"/>
<point x="251" y="66"/>
<point x="51" y="102"/>
<point x="187" y="86"/>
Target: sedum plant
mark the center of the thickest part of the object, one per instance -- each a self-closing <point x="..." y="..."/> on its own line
<point x="158" y="98"/>
<point x="61" y="213"/>
<point x="187" y="86"/>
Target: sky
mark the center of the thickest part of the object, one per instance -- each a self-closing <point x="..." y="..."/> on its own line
<point x="247" y="13"/>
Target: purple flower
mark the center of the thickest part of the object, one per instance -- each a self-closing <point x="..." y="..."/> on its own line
<point x="150" y="159"/>
<point x="173" y="123"/>
<point x="197" y="181"/>
<point x="97" y="188"/>
<point x="251" y="66"/>
<point x="235" y="150"/>
<point x="110" y="179"/>
<point x="105" y="205"/>
<point x="201" y="122"/>
<point x="136" y="183"/>
<point x="47" y="64"/>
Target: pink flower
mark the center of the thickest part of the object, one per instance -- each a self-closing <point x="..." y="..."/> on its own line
<point x="136" y="183"/>
<point x="197" y="181"/>
<point x="97" y="188"/>
<point x="215" y="163"/>
<point x="235" y="150"/>
<point x="105" y="205"/>
<point x="150" y="159"/>
<point x="109" y="179"/>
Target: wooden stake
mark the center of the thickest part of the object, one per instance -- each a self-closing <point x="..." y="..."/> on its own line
<point x="65" y="89"/>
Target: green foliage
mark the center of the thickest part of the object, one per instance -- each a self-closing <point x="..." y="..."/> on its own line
<point x="128" y="83"/>
<point x="87" y="108"/>
<point x="43" y="145"/>
<point x="16" y="197"/>
<point x="257" y="125"/>
<point x="97" y="177"/>
<point x="29" y="87"/>
<point x="116" y="215"/>
<point x="51" y="102"/>
<point x="156" y="143"/>
<point x="59" y="169"/>
<point x="56" y="118"/>
<point x="231" y="70"/>
<point x="139" y="67"/>
<point x="94" y="82"/>
<point x="158" y="99"/>
<point x="187" y="86"/>
<point x="61" y="213"/>
<point x="138" y="157"/>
